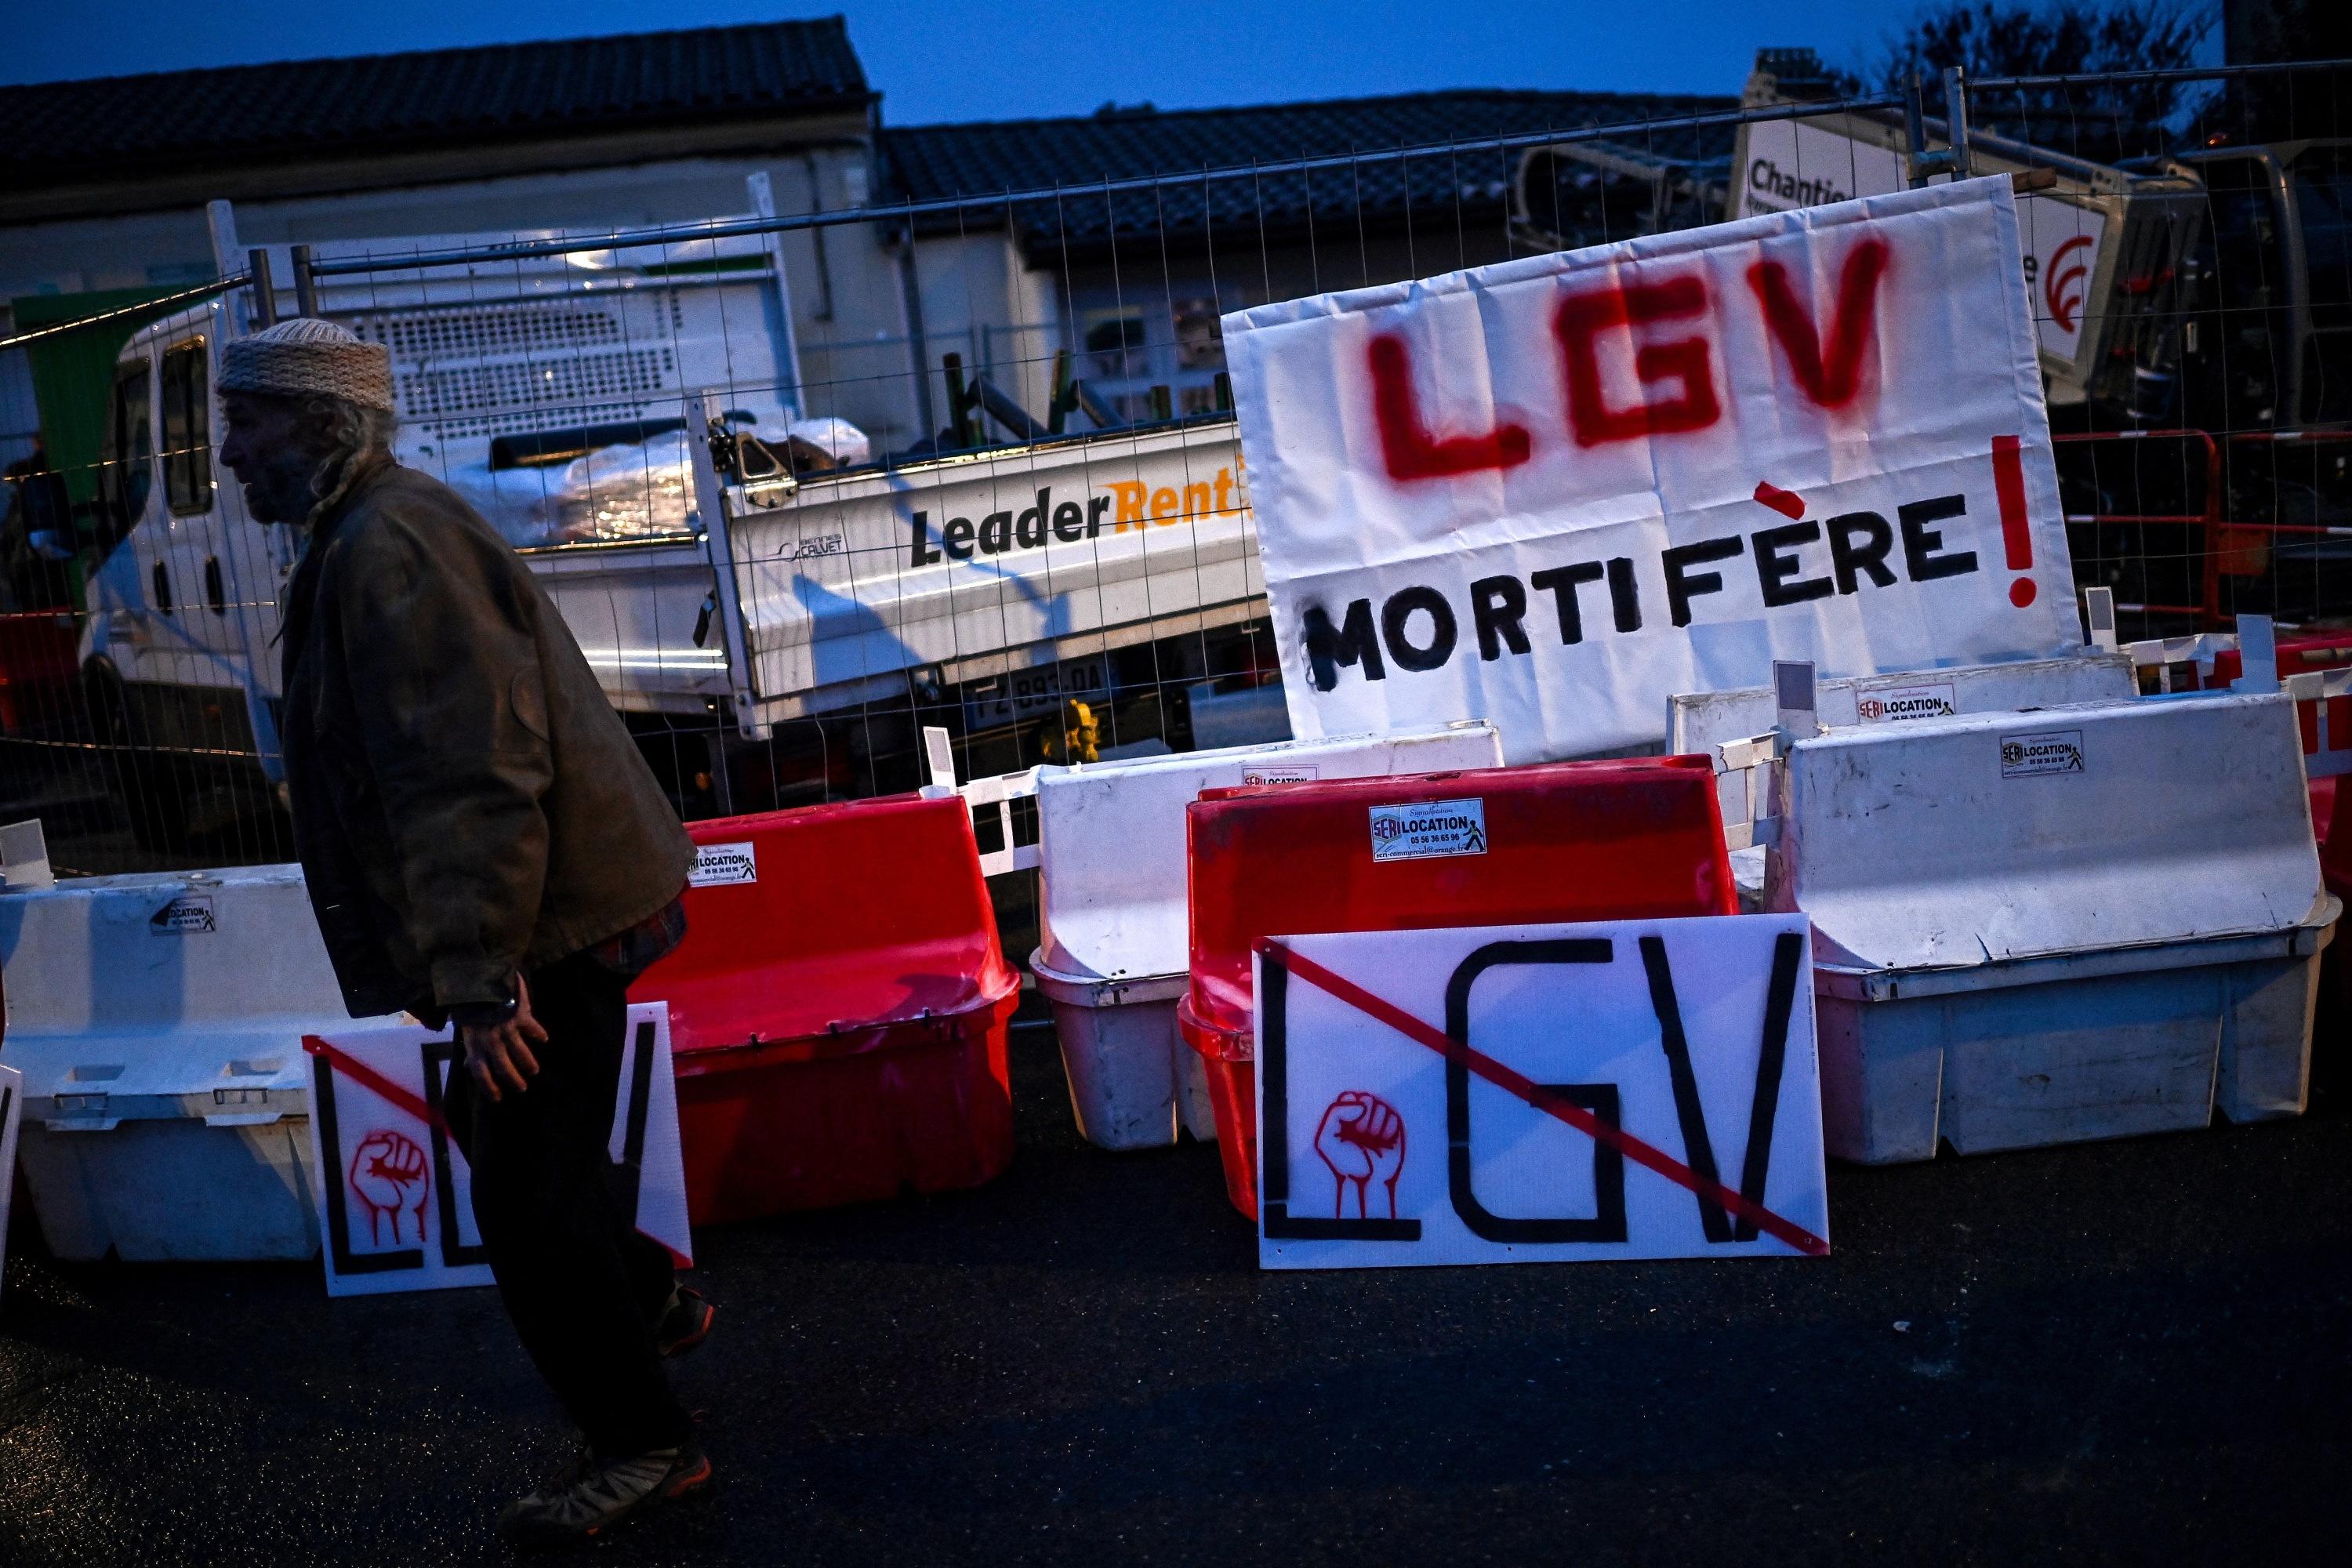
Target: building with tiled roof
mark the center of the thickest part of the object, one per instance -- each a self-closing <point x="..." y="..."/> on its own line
<point x="1130" y="282"/>
<point x="137" y="185"/>
<point x="126" y="187"/>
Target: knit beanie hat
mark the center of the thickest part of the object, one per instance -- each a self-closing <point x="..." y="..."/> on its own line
<point x="303" y="356"/>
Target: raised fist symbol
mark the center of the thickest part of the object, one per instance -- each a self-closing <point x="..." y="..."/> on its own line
<point x="388" y="1175"/>
<point x="1362" y="1139"/>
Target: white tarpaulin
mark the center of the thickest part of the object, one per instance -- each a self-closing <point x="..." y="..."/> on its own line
<point x="1551" y="493"/>
<point x="394" y="1196"/>
<point x="1523" y="1094"/>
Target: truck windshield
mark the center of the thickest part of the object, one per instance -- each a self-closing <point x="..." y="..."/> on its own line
<point x="126" y="453"/>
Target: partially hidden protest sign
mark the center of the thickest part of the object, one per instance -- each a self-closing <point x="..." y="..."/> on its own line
<point x="12" y="1113"/>
<point x="1554" y="492"/>
<point x="394" y="1195"/>
<point x="1608" y="1090"/>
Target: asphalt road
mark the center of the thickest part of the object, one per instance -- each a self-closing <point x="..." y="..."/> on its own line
<point x="2129" y="1352"/>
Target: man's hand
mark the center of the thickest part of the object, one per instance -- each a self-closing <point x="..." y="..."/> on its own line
<point x="501" y="1055"/>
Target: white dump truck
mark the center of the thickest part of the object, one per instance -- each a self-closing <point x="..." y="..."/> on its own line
<point x="633" y="421"/>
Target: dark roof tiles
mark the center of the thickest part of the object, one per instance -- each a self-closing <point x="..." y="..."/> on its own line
<point x="934" y="161"/>
<point x="54" y="132"/>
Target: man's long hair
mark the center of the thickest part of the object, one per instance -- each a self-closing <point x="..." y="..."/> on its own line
<point x="354" y="437"/>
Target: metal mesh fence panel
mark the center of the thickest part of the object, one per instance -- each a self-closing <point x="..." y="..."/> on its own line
<point x="964" y="456"/>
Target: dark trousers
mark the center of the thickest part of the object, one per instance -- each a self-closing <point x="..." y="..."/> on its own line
<point x="585" y="1290"/>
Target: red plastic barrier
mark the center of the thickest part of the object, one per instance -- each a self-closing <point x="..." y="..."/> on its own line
<point x="39" y="662"/>
<point x="2320" y="650"/>
<point x="837" y="1024"/>
<point x="1565" y="841"/>
<point x="2317" y="650"/>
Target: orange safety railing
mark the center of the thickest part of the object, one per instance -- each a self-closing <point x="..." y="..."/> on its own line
<point x="2227" y="547"/>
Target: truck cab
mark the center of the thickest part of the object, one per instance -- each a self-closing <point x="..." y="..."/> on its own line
<point x="2269" y="345"/>
<point x="183" y="594"/>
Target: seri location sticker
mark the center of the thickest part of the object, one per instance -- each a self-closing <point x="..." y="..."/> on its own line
<point x="723" y="864"/>
<point x="1899" y="704"/>
<point x="1293" y="772"/>
<point x="190" y="914"/>
<point x="2047" y="751"/>
<point x="1429" y="828"/>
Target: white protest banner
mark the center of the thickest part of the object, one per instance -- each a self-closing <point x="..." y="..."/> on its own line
<point x="1553" y="492"/>
<point x="12" y="1111"/>
<point x="1559" y="1093"/>
<point x="394" y="1195"/>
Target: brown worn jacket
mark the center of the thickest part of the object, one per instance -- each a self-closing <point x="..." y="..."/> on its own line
<point x="465" y="801"/>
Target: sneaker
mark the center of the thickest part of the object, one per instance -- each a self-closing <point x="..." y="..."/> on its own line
<point x="583" y="1461"/>
<point x="591" y="1496"/>
<point x="684" y="1323"/>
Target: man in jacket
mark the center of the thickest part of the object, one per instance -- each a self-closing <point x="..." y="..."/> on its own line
<point x="483" y="842"/>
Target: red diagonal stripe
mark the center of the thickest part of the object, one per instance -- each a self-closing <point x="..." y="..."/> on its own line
<point x="366" y="1077"/>
<point x="1545" y="1101"/>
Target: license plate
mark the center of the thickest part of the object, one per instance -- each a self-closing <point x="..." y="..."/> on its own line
<point x="1029" y="693"/>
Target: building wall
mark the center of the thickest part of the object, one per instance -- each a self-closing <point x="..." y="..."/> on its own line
<point x="71" y="255"/>
<point x="850" y="308"/>
<point x="1149" y="318"/>
<point x="1000" y="318"/>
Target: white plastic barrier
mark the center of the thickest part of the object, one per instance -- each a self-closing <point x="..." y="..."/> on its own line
<point x="1701" y="722"/>
<point x="158" y="1021"/>
<point x="1113" y="915"/>
<point x="2319" y="694"/>
<point x="2255" y="640"/>
<point x="2086" y="921"/>
<point x="2323" y="704"/>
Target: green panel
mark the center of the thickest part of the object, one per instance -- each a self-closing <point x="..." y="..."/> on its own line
<point x="73" y="372"/>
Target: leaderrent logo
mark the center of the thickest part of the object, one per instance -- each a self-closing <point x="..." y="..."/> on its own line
<point x="189" y="915"/>
<point x="1429" y="828"/>
<point x="723" y="864"/>
<point x="1899" y="704"/>
<point x="2050" y="751"/>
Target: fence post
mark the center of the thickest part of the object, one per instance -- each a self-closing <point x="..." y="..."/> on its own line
<point x="1956" y="119"/>
<point x="2212" y="532"/>
<point x="960" y="402"/>
<point x="1916" y="167"/>
<point x="265" y="289"/>
<point x="306" y="288"/>
<point x="1952" y="159"/>
<point x="706" y="417"/>
<point x="1066" y="394"/>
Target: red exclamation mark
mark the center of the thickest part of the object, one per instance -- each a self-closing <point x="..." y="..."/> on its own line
<point x="2016" y="538"/>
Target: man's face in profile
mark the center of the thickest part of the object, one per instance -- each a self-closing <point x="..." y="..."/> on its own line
<point x="265" y="444"/>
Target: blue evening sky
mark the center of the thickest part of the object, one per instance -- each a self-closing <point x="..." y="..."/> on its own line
<point x="969" y="59"/>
